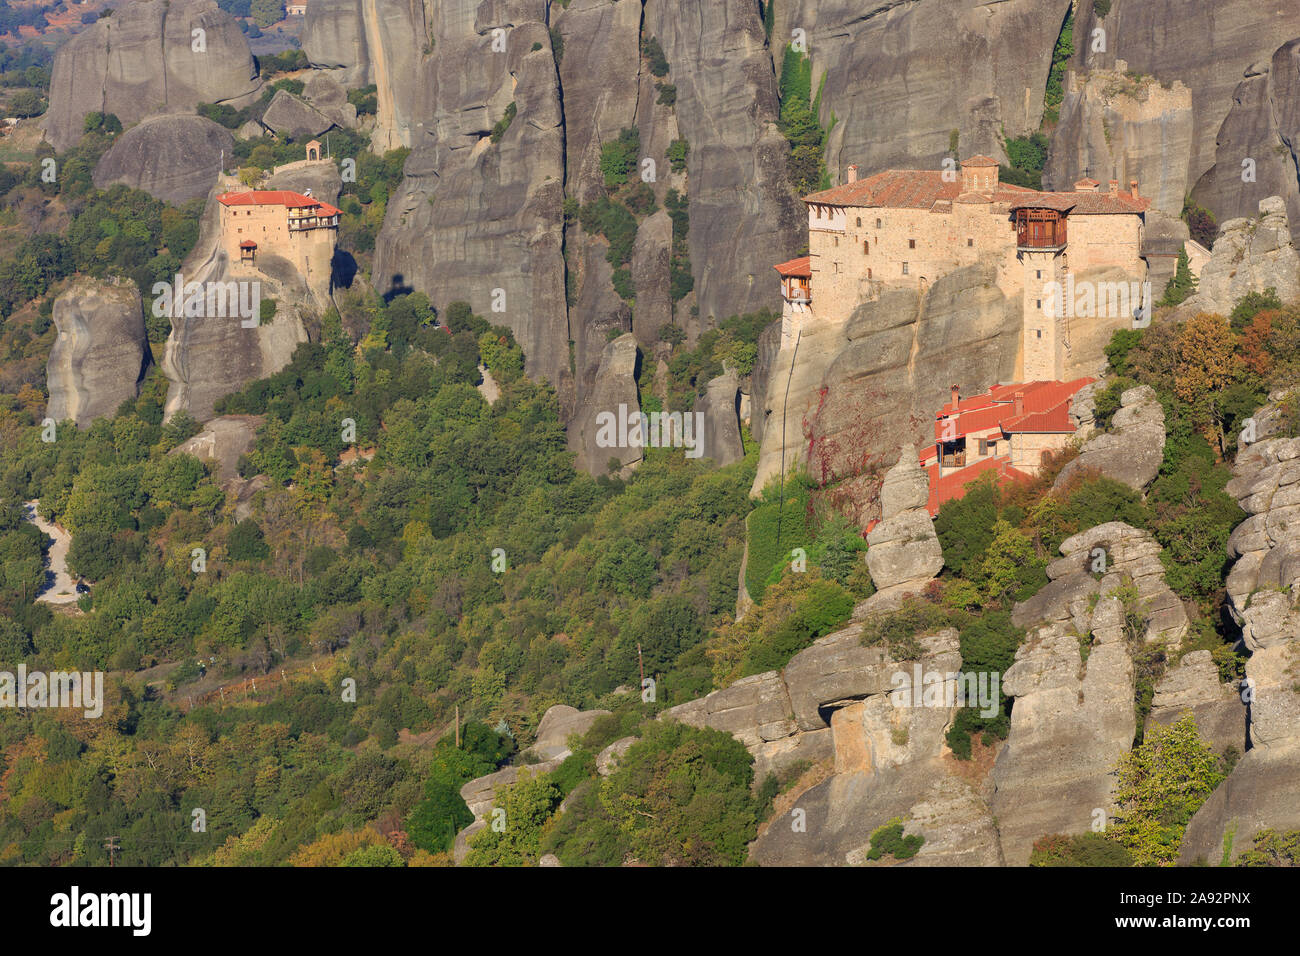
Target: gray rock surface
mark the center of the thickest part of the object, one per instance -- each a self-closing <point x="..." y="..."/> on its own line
<point x="1117" y="127"/>
<point x="1209" y="47"/>
<point x="143" y="60"/>
<point x="328" y="97"/>
<point x="1073" y="718"/>
<point x="172" y="158"/>
<point x="1250" y="255"/>
<point x="742" y="212"/>
<point x="557" y="725"/>
<point x="607" y="760"/>
<point x="940" y="65"/>
<point x="473" y="217"/>
<point x="1262" y="127"/>
<point x="1193" y="686"/>
<point x="720" y="426"/>
<point x="222" y="441"/>
<point x="1132" y="451"/>
<point x="613" y="393"/>
<point x="101" y="352"/>
<point x="295" y="118"/>
<point x="903" y="550"/>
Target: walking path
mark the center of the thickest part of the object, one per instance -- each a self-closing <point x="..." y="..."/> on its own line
<point x="60" y="587"/>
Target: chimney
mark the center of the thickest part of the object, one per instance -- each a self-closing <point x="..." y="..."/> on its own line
<point x="852" y="173"/>
<point x="956" y="397"/>
<point x="1133" y="188"/>
<point x="1114" y="187"/>
<point x="1020" y="403"/>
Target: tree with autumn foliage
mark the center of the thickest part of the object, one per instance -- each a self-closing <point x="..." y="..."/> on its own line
<point x="1207" y="363"/>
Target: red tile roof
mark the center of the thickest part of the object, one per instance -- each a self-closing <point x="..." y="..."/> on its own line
<point x="797" y="268"/>
<point x="248" y="244"/>
<point x="922" y="188"/>
<point x="954" y="486"/>
<point x="1046" y="409"/>
<point x="980" y="161"/>
<point x="277" y="197"/>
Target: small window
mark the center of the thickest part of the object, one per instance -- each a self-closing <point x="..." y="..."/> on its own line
<point x="1038" y="303"/>
<point x="984" y="446"/>
<point x="1040" y="333"/>
<point x="868" y="273"/>
<point x="859" y="222"/>
<point x="878" y="226"/>
<point x="837" y="240"/>
<point x="969" y="243"/>
<point x="911" y="243"/>
<point x="1038" y="274"/>
<point x="866" y="247"/>
<point x="904" y="268"/>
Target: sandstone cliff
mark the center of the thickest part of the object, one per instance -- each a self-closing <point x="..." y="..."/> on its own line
<point x="1250" y="255"/>
<point x="101" y="352"/>
<point x="1262" y="588"/>
<point x="148" y="58"/>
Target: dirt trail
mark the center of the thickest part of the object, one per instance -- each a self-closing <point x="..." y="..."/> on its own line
<point x="59" y="587"/>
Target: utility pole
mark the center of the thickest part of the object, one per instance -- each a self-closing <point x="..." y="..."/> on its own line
<point x="112" y="848"/>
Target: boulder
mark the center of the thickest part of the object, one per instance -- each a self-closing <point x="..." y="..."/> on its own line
<point x="558" y="724"/>
<point x="145" y="60"/>
<point x="607" y="760"/>
<point x="101" y="353"/>
<point x="223" y="440"/>
<point x="1132" y="451"/>
<point x="330" y="99"/>
<point x="172" y="158"/>
<point x="290" y="116"/>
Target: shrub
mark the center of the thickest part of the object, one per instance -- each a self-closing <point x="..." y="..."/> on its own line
<point x="1081" y="849"/>
<point x="889" y="839"/>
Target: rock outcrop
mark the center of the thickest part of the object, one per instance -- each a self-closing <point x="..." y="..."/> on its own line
<point x="1073" y="716"/>
<point x="1114" y="126"/>
<point x="207" y="358"/>
<point x="558" y="724"/>
<point x="548" y="751"/>
<point x="1193" y="686"/>
<point x="887" y="733"/>
<point x="1262" y="586"/>
<point x="1132" y="451"/>
<point x="614" y="394"/>
<point x="101" y="352"/>
<point x="1208" y="47"/>
<point x="1250" y="255"/>
<point x="719" y="429"/>
<point x="477" y="220"/>
<point x="152" y="56"/>
<point x="172" y="158"/>
<point x="290" y="116"/>
<point x="330" y="99"/>
<point x="903" y="551"/>
<point x="223" y="441"/>
<point x="1261" y="130"/>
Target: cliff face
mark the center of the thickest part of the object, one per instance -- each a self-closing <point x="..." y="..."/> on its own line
<point x="481" y="221"/>
<point x="1210" y="48"/>
<point x="875" y="382"/>
<point x="901" y="75"/>
<point x="101" y="353"/>
<point x="1115" y="127"/>
<point x="148" y="58"/>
